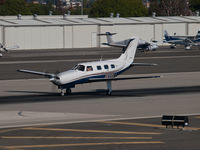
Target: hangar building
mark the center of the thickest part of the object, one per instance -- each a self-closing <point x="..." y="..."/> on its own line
<point x="50" y="32"/>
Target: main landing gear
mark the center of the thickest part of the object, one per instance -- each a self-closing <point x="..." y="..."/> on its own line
<point x="65" y="92"/>
<point x="109" y="88"/>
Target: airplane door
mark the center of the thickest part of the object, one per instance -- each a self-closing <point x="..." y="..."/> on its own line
<point x="93" y="39"/>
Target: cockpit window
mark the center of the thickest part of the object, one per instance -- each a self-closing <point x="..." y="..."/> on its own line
<point x="79" y="68"/>
<point x="89" y="68"/>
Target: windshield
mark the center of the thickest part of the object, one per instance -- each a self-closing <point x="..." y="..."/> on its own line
<point x="79" y="67"/>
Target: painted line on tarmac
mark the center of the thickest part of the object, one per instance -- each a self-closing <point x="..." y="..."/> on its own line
<point x="80" y="144"/>
<point x="9" y="130"/>
<point x="94" y="131"/>
<point x="65" y="137"/>
<point x="133" y="124"/>
<point x="145" y="125"/>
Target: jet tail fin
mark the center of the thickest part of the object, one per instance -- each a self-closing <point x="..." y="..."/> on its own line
<point x="166" y="35"/>
<point x="108" y="36"/>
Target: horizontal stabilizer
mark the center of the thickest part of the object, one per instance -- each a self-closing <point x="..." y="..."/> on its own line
<point x="117" y="79"/>
<point x="49" y="75"/>
<point x="107" y="33"/>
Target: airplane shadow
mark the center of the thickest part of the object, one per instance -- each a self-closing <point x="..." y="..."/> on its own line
<point x="35" y="96"/>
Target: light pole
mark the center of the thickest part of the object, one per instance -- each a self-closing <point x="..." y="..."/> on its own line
<point x="82" y="7"/>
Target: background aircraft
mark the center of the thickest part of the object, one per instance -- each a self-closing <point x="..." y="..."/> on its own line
<point x="4" y="49"/>
<point x="187" y="41"/>
<point x="142" y="45"/>
<point x="97" y="71"/>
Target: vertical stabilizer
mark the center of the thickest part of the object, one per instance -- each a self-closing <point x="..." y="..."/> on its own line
<point x="128" y="56"/>
<point x="166" y="35"/>
<point x="109" y="37"/>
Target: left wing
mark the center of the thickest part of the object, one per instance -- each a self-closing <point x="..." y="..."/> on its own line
<point x="48" y="75"/>
<point x="117" y="79"/>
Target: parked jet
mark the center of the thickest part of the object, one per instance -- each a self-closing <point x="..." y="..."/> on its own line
<point x="187" y="41"/>
<point x="4" y="49"/>
<point x="142" y="45"/>
<point x="98" y="71"/>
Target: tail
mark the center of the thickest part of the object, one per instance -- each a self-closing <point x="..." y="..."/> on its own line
<point x="108" y="36"/>
<point x="198" y="35"/>
<point x="127" y="58"/>
<point x="166" y="35"/>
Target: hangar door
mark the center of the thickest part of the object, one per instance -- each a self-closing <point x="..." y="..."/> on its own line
<point x="94" y="39"/>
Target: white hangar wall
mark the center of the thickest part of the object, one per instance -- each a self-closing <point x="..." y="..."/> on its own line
<point x="55" y="32"/>
<point x="1" y="34"/>
<point x="43" y="37"/>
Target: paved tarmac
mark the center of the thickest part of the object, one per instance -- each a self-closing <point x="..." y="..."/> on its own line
<point x="54" y="61"/>
<point x="137" y="134"/>
<point x="34" y="101"/>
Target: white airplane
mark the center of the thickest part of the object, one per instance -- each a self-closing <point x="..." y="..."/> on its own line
<point x="142" y="44"/>
<point x="98" y="71"/>
<point x="4" y="49"/>
<point x="187" y="41"/>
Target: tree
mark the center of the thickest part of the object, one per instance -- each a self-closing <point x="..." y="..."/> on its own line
<point x="14" y="7"/>
<point x="195" y="5"/>
<point x="174" y="8"/>
<point x="126" y="8"/>
<point x="154" y="6"/>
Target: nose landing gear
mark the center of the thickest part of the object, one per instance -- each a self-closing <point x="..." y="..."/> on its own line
<point x="65" y="91"/>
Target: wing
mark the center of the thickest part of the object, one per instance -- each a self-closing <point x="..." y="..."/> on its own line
<point x="48" y="75"/>
<point x="114" y="44"/>
<point x="143" y="64"/>
<point x="117" y="79"/>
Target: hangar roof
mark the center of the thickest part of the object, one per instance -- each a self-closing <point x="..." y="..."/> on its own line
<point x="84" y="20"/>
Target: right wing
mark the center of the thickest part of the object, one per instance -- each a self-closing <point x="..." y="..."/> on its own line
<point x="143" y="64"/>
<point x="117" y="79"/>
<point x="48" y="75"/>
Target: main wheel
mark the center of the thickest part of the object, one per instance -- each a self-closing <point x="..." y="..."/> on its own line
<point x="108" y="92"/>
<point x="68" y="91"/>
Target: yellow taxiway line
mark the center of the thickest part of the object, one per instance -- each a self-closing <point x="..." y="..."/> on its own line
<point x="145" y="125"/>
<point x="65" y="137"/>
<point x="79" y="144"/>
<point x="134" y="124"/>
<point x="93" y="131"/>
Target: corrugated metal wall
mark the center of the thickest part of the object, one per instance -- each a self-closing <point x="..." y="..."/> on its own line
<point x="83" y="36"/>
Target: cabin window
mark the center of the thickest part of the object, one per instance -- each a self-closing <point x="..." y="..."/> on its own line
<point x="105" y="66"/>
<point x="79" y="67"/>
<point x="99" y="68"/>
<point x="89" y="68"/>
<point x="112" y="66"/>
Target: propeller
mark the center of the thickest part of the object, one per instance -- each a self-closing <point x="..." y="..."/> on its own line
<point x="54" y="88"/>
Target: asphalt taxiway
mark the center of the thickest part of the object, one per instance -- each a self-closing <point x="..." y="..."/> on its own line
<point x="27" y="100"/>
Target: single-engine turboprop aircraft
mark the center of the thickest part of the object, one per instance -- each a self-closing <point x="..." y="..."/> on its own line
<point x="98" y="71"/>
<point x="142" y="44"/>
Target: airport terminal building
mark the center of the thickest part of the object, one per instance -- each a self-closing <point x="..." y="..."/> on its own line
<point x="50" y="32"/>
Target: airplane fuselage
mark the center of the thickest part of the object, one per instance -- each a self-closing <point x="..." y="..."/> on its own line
<point x="83" y="72"/>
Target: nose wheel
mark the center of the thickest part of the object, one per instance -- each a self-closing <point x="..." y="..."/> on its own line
<point x="63" y="92"/>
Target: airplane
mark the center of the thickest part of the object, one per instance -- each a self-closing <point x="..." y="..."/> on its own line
<point x="187" y="41"/>
<point x="96" y="71"/>
<point x="142" y="45"/>
<point x="4" y="49"/>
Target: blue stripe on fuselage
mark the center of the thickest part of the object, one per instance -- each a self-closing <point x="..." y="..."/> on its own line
<point x="85" y="80"/>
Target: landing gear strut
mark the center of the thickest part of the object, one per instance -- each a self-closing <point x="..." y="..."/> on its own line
<point x="109" y="88"/>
